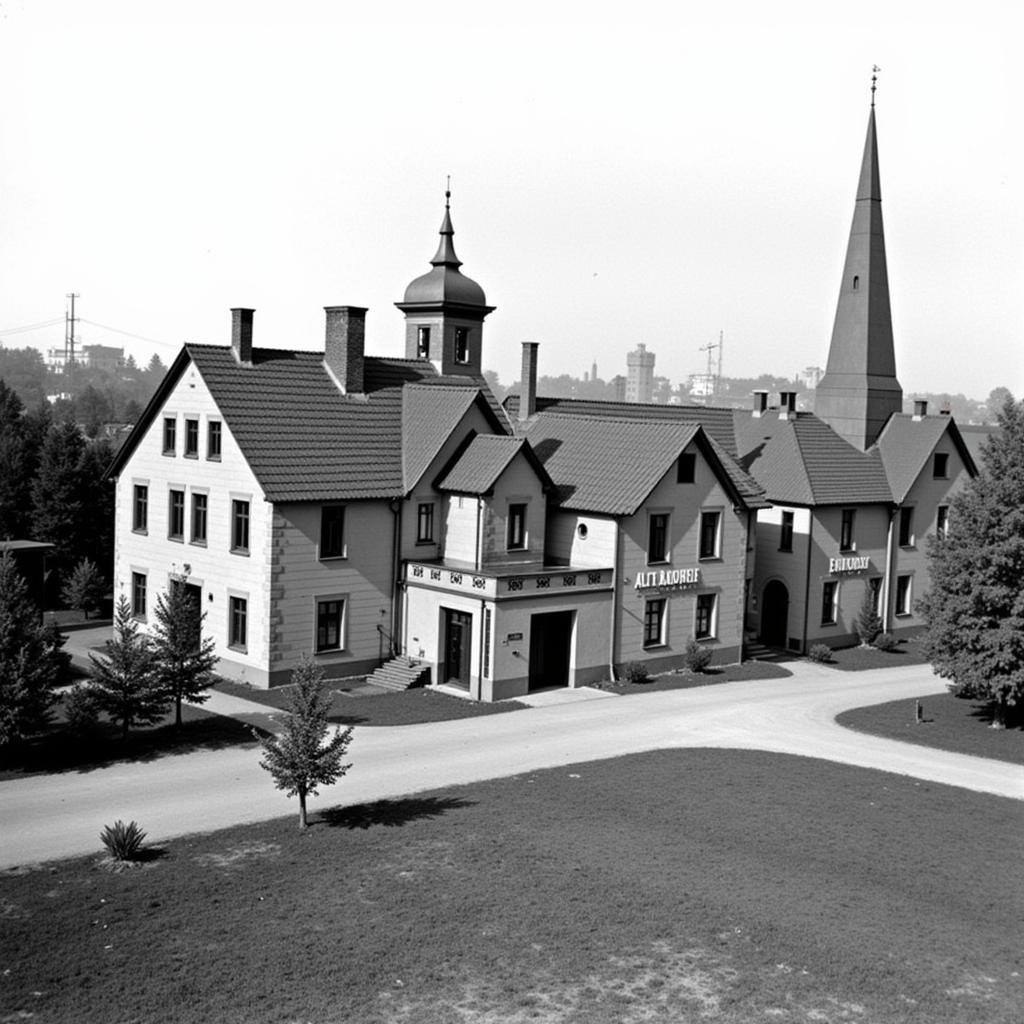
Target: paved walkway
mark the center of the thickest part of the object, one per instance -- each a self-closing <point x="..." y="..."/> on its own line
<point x="46" y="817"/>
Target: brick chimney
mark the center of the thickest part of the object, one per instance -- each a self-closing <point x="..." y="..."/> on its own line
<point x="787" y="405"/>
<point x="760" y="403"/>
<point x="528" y="382"/>
<point x="241" y="335"/>
<point x="344" y="346"/>
<point x="920" y="409"/>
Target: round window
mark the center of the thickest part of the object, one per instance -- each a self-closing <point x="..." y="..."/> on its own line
<point x="582" y="531"/>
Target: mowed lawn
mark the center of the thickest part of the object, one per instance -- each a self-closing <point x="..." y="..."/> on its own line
<point x="676" y="886"/>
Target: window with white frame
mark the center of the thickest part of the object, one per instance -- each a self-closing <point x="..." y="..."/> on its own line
<point x="199" y="518"/>
<point x="829" y="602"/>
<point x="423" y="342"/>
<point x="139" y="595"/>
<point x="654" y="622"/>
<point x="704" y="623"/>
<point x="140" y="508"/>
<point x="191" y="439"/>
<point x="240" y="526"/>
<point x="710" y="535"/>
<point x="238" y="622"/>
<point x="903" y="594"/>
<point x="170" y="435"/>
<point x="425" y="522"/>
<point x="176" y="514"/>
<point x="330" y="617"/>
<point x="516" y="540"/>
<point x="213" y="440"/>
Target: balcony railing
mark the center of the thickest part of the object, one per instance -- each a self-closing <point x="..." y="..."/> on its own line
<point x="507" y="582"/>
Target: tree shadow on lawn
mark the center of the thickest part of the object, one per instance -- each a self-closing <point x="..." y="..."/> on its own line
<point x="392" y="813"/>
<point x="58" y="750"/>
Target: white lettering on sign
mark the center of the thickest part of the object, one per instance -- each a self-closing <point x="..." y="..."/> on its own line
<point x="666" y="578"/>
<point x="848" y="564"/>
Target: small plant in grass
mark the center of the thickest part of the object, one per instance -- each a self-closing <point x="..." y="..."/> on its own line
<point x="886" y="642"/>
<point x="80" y="709"/>
<point x="635" y="672"/>
<point x="868" y="624"/>
<point x="123" y="842"/>
<point x="302" y="758"/>
<point x="821" y="653"/>
<point x="696" y="656"/>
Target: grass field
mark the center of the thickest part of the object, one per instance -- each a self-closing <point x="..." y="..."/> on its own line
<point x="948" y="722"/>
<point x="676" y="886"/>
<point x="860" y="659"/>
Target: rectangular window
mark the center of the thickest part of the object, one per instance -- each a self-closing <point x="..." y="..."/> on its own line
<point x="332" y="531"/>
<point x="709" y="531"/>
<point x="238" y="626"/>
<point x="517" y="527"/>
<point x="170" y="435"/>
<point x="654" y="622"/>
<point x="192" y="439"/>
<point x="906" y="527"/>
<point x="328" y="624"/>
<point x="425" y="522"/>
<point x="139" y="595"/>
<point x="240" y="526"/>
<point x="657" y="537"/>
<point x="829" y="594"/>
<point x="140" y="508"/>
<point x="940" y="466"/>
<point x="423" y="342"/>
<point x="462" y="344"/>
<point x="903" y="595"/>
<point x="198" y="518"/>
<point x="875" y="583"/>
<point x="686" y="468"/>
<point x="786" y="532"/>
<point x="942" y="522"/>
<point x="213" y="440"/>
<point x="704" y="626"/>
<point x="176" y="515"/>
<point x="846" y="531"/>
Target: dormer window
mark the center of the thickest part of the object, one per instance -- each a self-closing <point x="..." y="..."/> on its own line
<point x="461" y="344"/>
<point x="423" y="342"/>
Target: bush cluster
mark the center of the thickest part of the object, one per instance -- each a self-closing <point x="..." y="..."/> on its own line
<point x="696" y="657"/>
<point x="821" y="653"/>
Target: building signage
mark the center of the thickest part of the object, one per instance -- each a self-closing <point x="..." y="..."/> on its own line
<point x="858" y="564"/>
<point x="659" y="579"/>
<point x="513" y="636"/>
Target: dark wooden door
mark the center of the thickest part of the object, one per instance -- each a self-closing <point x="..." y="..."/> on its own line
<point x="550" y="644"/>
<point x="457" y="646"/>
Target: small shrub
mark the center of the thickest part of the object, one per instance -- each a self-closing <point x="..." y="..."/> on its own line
<point x="80" y="710"/>
<point x="885" y="642"/>
<point x="635" y="672"/>
<point x="123" y="842"/>
<point x="696" y="657"/>
<point x="821" y="653"/>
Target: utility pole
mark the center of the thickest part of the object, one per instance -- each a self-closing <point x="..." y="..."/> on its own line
<point x="69" y="329"/>
<point x="711" y="385"/>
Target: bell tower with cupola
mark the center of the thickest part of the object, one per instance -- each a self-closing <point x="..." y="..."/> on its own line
<point x="445" y="310"/>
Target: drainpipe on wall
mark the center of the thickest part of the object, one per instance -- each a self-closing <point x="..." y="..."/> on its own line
<point x="483" y="645"/>
<point x="615" y="604"/>
<point x="479" y="534"/>
<point x="890" y="557"/>
<point x="396" y="585"/>
<point x="807" y="581"/>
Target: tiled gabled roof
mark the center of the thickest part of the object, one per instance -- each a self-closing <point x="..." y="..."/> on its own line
<point x="906" y="444"/>
<point x="478" y="466"/>
<point x="429" y="415"/>
<point x="803" y="461"/>
<point x="610" y="464"/>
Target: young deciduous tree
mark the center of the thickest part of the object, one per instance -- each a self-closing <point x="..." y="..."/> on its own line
<point x="975" y="608"/>
<point x="302" y="758"/>
<point x="125" y="686"/>
<point x="184" y="657"/>
<point x="869" y="623"/>
<point x="32" y="663"/>
<point x="84" y="588"/>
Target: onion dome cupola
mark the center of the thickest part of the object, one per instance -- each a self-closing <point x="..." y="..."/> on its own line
<point x="445" y="310"/>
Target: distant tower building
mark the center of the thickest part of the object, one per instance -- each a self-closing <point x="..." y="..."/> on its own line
<point x="859" y="391"/>
<point x="640" y="382"/>
<point x="593" y="371"/>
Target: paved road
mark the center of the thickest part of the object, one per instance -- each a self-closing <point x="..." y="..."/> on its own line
<point x="47" y="817"/>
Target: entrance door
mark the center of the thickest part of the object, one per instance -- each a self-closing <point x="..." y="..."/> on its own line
<point x="550" y="642"/>
<point x="458" y="632"/>
<point x="774" y="614"/>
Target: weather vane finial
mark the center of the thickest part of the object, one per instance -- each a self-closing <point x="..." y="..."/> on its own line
<point x="874" y="78"/>
<point x="447" y="191"/>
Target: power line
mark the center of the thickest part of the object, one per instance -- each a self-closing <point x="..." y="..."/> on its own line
<point x="33" y="327"/>
<point x="127" y="334"/>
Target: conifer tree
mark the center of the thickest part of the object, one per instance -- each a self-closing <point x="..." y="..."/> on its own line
<point x="57" y="495"/>
<point x="84" y="587"/>
<point x="32" y="663"/>
<point x="869" y="623"/>
<point x="184" y="657"/>
<point x="302" y="758"/>
<point x="975" y="607"/>
<point x="124" y="685"/>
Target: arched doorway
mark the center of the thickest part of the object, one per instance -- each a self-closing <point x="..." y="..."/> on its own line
<point x="774" y="614"/>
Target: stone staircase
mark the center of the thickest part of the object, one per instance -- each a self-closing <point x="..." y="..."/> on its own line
<point x="754" y="650"/>
<point x="400" y="673"/>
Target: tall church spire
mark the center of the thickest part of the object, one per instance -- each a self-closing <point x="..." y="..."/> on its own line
<point x="859" y="391"/>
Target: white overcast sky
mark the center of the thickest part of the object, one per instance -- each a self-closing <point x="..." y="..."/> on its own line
<point x="620" y="173"/>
